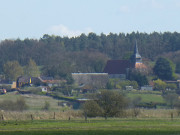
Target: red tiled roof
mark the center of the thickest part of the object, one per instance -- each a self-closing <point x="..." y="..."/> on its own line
<point x="140" y="66"/>
<point x="117" y="66"/>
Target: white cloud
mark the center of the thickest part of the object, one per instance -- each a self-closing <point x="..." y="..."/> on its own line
<point x="63" y="30"/>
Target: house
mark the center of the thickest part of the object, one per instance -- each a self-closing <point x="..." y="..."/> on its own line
<point x="147" y="87"/>
<point x="37" y="81"/>
<point x="129" y="87"/>
<point x="27" y="81"/>
<point x="14" y="85"/>
<point x="23" y="81"/>
<point x="120" y="68"/>
<point x="50" y="81"/>
<point x="45" y="79"/>
<point x="177" y="83"/>
<point x="44" y="88"/>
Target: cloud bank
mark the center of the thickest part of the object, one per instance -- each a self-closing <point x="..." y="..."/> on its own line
<point x="63" y="30"/>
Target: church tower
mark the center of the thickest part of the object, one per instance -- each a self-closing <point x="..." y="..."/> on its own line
<point x="137" y="56"/>
<point x="137" y="60"/>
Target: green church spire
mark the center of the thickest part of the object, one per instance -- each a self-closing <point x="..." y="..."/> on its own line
<point x="137" y="56"/>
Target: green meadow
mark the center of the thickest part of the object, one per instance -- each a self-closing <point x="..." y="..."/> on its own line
<point x="96" y="126"/>
<point x="147" y="96"/>
<point x="148" y="122"/>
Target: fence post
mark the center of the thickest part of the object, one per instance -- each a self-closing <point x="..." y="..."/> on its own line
<point x="31" y="117"/>
<point x="85" y="114"/>
<point x="171" y="116"/>
<point x="2" y="117"/>
<point x="54" y="116"/>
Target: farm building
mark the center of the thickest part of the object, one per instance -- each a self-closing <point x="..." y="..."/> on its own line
<point x="91" y="80"/>
<point x="42" y="80"/>
<point x="26" y="81"/>
<point x="147" y="87"/>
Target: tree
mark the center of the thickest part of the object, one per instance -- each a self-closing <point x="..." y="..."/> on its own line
<point x="135" y="102"/>
<point x="178" y="68"/>
<point x="32" y="69"/>
<point x="91" y="109"/>
<point x="106" y="104"/>
<point x="12" y="70"/>
<point x="112" y="103"/>
<point x="138" y="77"/>
<point x="171" y="99"/>
<point x="46" y="106"/>
<point x="18" y="105"/>
<point x="163" y="69"/>
<point x="119" y="84"/>
<point x="21" y="104"/>
<point x="159" y="85"/>
<point x="69" y="79"/>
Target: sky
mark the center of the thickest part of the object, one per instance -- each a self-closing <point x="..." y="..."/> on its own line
<point x="34" y="18"/>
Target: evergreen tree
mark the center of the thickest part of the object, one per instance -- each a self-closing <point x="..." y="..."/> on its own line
<point x="163" y="69"/>
<point x="138" y="77"/>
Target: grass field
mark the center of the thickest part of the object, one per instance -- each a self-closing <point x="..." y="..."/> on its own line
<point x="147" y="96"/>
<point x="92" y="127"/>
<point x="148" y="122"/>
<point x="34" y="102"/>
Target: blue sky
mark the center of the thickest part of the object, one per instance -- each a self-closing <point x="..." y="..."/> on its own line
<point x="34" y="18"/>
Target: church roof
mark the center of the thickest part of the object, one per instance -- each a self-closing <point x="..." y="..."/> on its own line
<point x="140" y="66"/>
<point x="117" y="66"/>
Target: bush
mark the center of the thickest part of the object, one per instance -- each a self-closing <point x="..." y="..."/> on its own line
<point x="19" y="105"/>
<point x="159" y="85"/>
<point x="171" y="99"/>
<point x="46" y="106"/>
<point x="119" y="84"/>
<point x="106" y="104"/>
<point x="32" y="90"/>
<point x="92" y="109"/>
<point x="112" y="103"/>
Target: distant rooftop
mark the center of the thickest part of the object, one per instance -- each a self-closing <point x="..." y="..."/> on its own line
<point x="117" y="66"/>
<point x="89" y="73"/>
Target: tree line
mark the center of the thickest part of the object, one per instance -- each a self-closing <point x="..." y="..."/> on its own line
<point x="58" y="56"/>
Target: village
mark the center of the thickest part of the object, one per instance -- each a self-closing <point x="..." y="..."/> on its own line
<point x="88" y="82"/>
<point x="116" y="76"/>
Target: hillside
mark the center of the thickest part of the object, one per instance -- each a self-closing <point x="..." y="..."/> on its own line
<point x="34" y="102"/>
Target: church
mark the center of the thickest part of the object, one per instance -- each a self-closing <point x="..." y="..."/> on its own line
<point x="121" y="68"/>
<point x="113" y="69"/>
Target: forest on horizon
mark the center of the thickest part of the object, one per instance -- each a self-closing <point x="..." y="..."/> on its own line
<point x="58" y="56"/>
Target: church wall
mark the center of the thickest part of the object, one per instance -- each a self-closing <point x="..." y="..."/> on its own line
<point x="95" y="80"/>
<point x="120" y="76"/>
